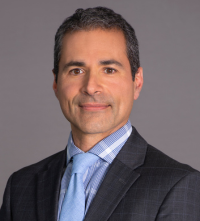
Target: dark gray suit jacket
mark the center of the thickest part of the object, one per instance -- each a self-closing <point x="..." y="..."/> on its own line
<point x="142" y="184"/>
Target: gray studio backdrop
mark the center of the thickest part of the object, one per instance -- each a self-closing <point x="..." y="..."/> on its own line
<point x="32" y="126"/>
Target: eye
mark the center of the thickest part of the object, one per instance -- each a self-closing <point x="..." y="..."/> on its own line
<point x="76" y="71"/>
<point x="110" y="70"/>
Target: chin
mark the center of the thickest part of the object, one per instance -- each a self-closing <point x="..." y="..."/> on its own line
<point x="94" y="127"/>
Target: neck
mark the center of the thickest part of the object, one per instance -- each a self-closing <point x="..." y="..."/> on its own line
<point x="85" y="142"/>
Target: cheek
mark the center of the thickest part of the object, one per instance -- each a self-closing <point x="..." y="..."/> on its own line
<point x="65" y="97"/>
<point x="125" y="95"/>
<point x="66" y="91"/>
<point x="124" y="90"/>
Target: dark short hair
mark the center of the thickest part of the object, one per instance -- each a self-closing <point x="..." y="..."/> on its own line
<point x="98" y="17"/>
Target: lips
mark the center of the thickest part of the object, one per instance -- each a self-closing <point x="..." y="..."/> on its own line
<point x="93" y="106"/>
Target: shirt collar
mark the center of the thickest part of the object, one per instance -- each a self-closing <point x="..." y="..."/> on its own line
<point x="108" y="148"/>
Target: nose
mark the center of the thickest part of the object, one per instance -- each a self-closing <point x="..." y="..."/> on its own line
<point x="91" y="85"/>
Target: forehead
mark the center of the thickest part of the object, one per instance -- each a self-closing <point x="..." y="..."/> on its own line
<point x="93" y="43"/>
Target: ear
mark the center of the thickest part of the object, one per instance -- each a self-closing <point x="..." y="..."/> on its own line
<point x="138" y="82"/>
<point x="55" y="84"/>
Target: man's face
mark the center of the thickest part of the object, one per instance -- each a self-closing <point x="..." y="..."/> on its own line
<point x="94" y="86"/>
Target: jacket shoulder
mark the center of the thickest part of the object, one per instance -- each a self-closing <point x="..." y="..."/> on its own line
<point x="162" y="170"/>
<point x="157" y="159"/>
<point x="21" y="186"/>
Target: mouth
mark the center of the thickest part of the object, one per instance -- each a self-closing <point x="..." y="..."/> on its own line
<point x="93" y="106"/>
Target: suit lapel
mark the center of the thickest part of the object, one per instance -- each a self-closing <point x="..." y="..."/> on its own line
<point x="119" y="178"/>
<point x="48" y="188"/>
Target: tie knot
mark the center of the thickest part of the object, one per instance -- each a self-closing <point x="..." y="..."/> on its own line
<point x="81" y="162"/>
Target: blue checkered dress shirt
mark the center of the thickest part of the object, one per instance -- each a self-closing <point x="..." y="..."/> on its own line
<point x="107" y="149"/>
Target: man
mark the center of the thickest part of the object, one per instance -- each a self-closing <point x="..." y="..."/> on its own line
<point x="97" y="76"/>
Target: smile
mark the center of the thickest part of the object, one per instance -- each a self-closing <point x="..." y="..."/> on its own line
<point x="94" y="107"/>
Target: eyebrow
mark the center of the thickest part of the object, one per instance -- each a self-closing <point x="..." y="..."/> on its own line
<point x="108" y="62"/>
<point x="74" y="63"/>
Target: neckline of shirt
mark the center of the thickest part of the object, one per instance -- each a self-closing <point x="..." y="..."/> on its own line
<point x="107" y="149"/>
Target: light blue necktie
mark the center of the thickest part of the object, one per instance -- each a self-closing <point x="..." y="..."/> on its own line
<point x="73" y="207"/>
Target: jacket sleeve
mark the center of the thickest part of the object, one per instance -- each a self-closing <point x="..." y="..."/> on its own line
<point x="182" y="202"/>
<point x="5" y="211"/>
